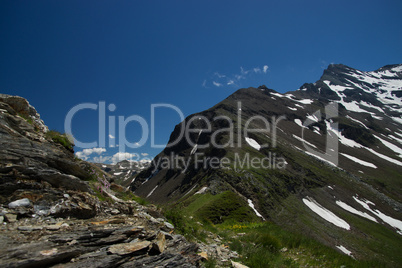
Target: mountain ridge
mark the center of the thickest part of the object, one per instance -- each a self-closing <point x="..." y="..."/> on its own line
<point x="368" y="166"/>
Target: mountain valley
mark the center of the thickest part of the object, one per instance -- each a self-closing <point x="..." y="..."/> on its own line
<point x="307" y="178"/>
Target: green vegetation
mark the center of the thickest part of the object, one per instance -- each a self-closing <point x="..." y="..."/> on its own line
<point x="258" y="243"/>
<point x="268" y="245"/>
<point x="61" y="139"/>
<point x="128" y="195"/>
<point x="225" y="206"/>
<point x="26" y="118"/>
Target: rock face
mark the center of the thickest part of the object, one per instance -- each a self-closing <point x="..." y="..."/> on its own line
<point x="51" y="214"/>
<point x="30" y="160"/>
<point x="105" y="241"/>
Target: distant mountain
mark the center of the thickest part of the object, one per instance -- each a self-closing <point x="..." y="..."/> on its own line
<point x="124" y="172"/>
<point x="330" y="158"/>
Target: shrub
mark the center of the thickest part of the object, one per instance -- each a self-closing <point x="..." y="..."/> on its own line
<point x="61" y="139"/>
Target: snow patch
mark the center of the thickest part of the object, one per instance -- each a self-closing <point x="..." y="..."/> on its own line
<point x="253" y="143"/>
<point x="303" y="141"/>
<point x="202" y="190"/>
<point x="299" y="122"/>
<point x="395" y="138"/>
<point x="344" y="250"/>
<point x="325" y="213"/>
<point x="355" y="211"/>
<point x="312" y="118"/>
<point x="357" y="121"/>
<point x="359" y="161"/>
<point x="190" y="190"/>
<point x="305" y="101"/>
<point x="277" y="94"/>
<point x="250" y="203"/>
<point x="342" y="139"/>
<point x="194" y="149"/>
<point x="392" y="160"/>
<point x="318" y="157"/>
<point x="153" y="174"/>
<point x="317" y="130"/>
<point x="397" y="224"/>
<point x="391" y="146"/>
<point x="336" y="88"/>
<point x="151" y="192"/>
<point x="298" y="105"/>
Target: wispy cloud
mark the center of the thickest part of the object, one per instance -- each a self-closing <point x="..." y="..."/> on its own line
<point x="230" y="82"/>
<point x="216" y="84"/>
<point x="220" y="75"/>
<point x="219" y="79"/>
<point x="242" y="71"/>
<point x="257" y="70"/>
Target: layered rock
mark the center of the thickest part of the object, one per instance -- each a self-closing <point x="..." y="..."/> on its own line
<point x="30" y="159"/>
<point x="134" y="239"/>
<point x="50" y="208"/>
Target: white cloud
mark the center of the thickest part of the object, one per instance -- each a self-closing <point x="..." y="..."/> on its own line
<point x="257" y="70"/>
<point x="220" y="75"/>
<point x="144" y="154"/>
<point x="230" y="82"/>
<point x="94" y="150"/>
<point x="84" y="154"/>
<point x="239" y="77"/>
<point x="120" y="156"/>
<point x="101" y="159"/>
<point x="216" y="84"/>
<point x="81" y="155"/>
<point x="242" y="71"/>
<point x="111" y="136"/>
<point x="219" y="79"/>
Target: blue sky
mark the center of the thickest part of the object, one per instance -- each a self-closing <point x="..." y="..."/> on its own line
<point x="191" y="54"/>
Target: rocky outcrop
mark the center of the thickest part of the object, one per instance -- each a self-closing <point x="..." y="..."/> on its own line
<point x="51" y="208"/>
<point x="134" y="239"/>
<point x="31" y="160"/>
